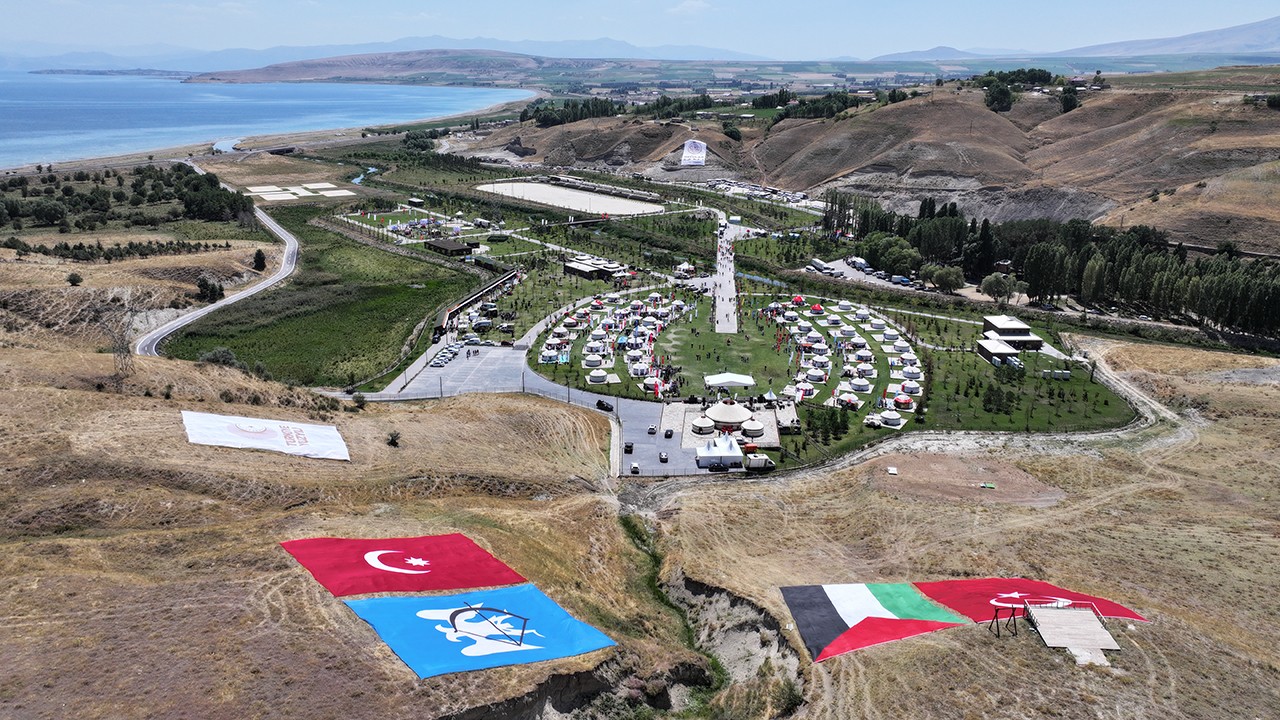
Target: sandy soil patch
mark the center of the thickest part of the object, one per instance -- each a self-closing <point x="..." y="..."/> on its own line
<point x="958" y="478"/>
<point x="570" y="198"/>
<point x="267" y="169"/>
<point x="1172" y="360"/>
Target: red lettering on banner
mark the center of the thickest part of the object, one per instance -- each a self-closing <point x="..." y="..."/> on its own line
<point x="293" y="436"/>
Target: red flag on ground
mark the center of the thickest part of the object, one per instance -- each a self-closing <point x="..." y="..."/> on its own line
<point x="352" y="566"/>
<point x="978" y="599"/>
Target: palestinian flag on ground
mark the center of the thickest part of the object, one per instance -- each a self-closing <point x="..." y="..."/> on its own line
<point x="835" y="619"/>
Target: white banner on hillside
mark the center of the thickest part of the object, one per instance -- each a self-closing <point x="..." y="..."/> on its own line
<point x="695" y="153"/>
<point x="313" y="441"/>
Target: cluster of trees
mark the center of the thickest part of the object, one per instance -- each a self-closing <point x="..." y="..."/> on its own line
<point x="546" y="114"/>
<point x="773" y="100"/>
<point x="420" y="140"/>
<point x="97" y="251"/>
<point x="1021" y="76"/>
<point x="668" y="107"/>
<point x="209" y="290"/>
<point x="65" y="205"/>
<point x="832" y="104"/>
<point x="828" y="423"/>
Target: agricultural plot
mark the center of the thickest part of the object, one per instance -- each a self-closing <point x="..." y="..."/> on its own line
<point x="344" y="316"/>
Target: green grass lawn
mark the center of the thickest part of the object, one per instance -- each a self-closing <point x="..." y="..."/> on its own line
<point x="343" y="317"/>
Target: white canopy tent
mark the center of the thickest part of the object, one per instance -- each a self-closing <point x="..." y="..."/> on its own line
<point x="723" y="449"/>
<point x="729" y="380"/>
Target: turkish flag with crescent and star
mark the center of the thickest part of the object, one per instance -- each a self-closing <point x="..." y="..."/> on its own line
<point x="978" y="598"/>
<point x="357" y="566"/>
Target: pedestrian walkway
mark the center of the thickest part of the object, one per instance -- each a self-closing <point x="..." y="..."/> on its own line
<point x="724" y="284"/>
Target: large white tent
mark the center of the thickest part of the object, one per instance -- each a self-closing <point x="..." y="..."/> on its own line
<point x="723" y="449"/>
<point x="729" y="380"/>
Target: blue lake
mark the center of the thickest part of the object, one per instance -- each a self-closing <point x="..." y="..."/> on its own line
<point x="55" y="118"/>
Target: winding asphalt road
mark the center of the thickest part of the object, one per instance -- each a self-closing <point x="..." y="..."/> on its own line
<point x="149" y="344"/>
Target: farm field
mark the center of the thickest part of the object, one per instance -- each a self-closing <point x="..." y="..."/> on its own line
<point x="343" y="317"/>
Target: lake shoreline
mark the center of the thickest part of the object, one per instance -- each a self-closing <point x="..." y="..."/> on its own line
<point x="327" y="137"/>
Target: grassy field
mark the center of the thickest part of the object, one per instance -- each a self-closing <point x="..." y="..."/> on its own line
<point x="342" y="318"/>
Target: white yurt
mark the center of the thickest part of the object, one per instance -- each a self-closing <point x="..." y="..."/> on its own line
<point x="891" y="418"/>
<point x="592" y="360"/>
<point x="858" y="341"/>
<point x="860" y="384"/>
<point x="849" y="331"/>
<point x="560" y="332"/>
<point x="661" y="313"/>
<point x="845" y="306"/>
<point x="728" y="413"/>
<point x="637" y="305"/>
<point x="911" y="387"/>
<point x="555" y="343"/>
<point x="613" y="298"/>
<point x="753" y="428"/>
<point x="805" y="325"/>
<point x="639" y="369"/>
<point x="821" y="361"/>
<point x="864" y="356"/>
<point x="865" y="370"/>
<point x="877" y="324"/>
<point x="703" y="425"/>
<point x="597" y="377"/>
<point x="805" y="390"/>
<point x="909" y="358"/>
<point x="834" y="321"/>
<point x="911" y="372"/>
<point x="863" y="314"/>
<point x="790" y="316"/>
<point x="815" y="375"/>
<point x="813" y="337"/>
<point x="582" y="313"/>
<point x="677" y="305"/>
<point x="902" y="402"/>
<point x="634" y="356"/>
<point x="901" y="346"/>
<point x="548" y="356"/>
<point x="821" y="348"/>
<point x="594" y="347"/>
<point x="649" y="321"/>
<point x="634" y="342"/>
<point x="570" y="323"/>
<point x="650" y="383"/>
<point x="890" y="335"/>
<point x="655" y="297"/>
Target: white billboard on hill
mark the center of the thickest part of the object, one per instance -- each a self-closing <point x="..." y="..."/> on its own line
<point x="292" y="438"/>
<point x="695" y="153"/>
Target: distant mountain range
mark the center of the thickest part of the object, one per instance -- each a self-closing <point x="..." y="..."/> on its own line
<point x="184" y="59"/>
<point x="1259" y="37"/>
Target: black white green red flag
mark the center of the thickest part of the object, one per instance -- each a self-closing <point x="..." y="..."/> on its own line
<point x="835" y="619"/>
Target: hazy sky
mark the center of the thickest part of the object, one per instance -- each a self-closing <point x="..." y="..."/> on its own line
<point x="781" y="28"/>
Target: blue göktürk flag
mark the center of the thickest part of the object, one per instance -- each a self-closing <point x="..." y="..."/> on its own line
<point x="477" y="630"/>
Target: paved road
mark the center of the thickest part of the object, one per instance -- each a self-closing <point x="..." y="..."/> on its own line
<point x="149" y="344"/>
<point x="724" y="283"/>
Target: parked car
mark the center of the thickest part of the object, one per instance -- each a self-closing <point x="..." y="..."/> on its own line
<point x="668" y="434"/>
<point x="635" y="468"/>
<point x="628" y="447"/>
<point x="718" y="467"/>
<point x="653" y="429"/>
<point x="604" y="405"/>
<point x="662" y="457"/>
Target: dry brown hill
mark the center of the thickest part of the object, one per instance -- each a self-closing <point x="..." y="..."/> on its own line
<point x="1033" y="162"/>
